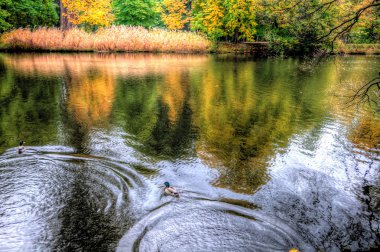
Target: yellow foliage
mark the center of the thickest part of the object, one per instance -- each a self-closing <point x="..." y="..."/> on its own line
<point x="174" y="14"/>
<point x="243" y="18"/>
<point x="213" y="15"/>
<point x="90" y="12"/>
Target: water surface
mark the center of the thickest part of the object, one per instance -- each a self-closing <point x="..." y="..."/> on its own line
<point x="265" y="153"/>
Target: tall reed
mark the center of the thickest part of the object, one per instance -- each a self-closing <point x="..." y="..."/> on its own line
<point x="115" y="38"/>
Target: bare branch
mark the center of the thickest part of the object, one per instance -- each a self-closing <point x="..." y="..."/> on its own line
<point x="327" y="5"/>
<point x="349" y="23"/>
<point x="362" y="95"/>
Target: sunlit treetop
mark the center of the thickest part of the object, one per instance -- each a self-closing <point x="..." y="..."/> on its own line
<point x="174" y="13"/>
<point x="89" y="12"/>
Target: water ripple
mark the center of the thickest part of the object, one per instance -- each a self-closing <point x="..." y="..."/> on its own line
<point x="219" y="226"/>
<point x="53" y="198"/>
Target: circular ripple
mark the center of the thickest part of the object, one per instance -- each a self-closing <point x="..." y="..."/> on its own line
<point x="210" y="226"/>
<point x="58" y="200"/>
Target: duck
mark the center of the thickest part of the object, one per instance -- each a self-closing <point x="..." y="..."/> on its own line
<point x="169" y="190"/>
<point x="21" y="147"/>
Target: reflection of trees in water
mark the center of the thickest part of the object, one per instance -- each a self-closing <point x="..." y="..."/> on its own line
<point x="90" y="95"/>
<point x="88" y="100"/>
<point x="157" y="114"/>
<point x="171" y="135"/>
<point x="365" y="133"/>
<point x="28" y="102"/>
<point x="239" y="112"/>
<point x="371" y="201"/>
<point x="246" y="113"/>
<point x="135" y="106"/>
<point x="170" y="139"/>
<point x="87" y="222"/>
<point x="323" y="214"/>
<point x="362" y="169"/>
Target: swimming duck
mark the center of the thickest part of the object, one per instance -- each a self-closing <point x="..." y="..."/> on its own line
<point x="21" y="147"/>
<point x="169" y="190"/>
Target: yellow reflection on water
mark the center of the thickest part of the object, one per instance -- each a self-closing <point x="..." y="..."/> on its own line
<point x="90" y="97"/>
<point x="362" y="120"/>
<point x="173" y="91"/>
<point x="365" y="133"/>
<point x="242" y="117"/>
<point x="91" y="78"/>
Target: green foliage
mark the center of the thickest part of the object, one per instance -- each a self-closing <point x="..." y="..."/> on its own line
<point x="27" y="13"/>
<point x="295" y="27"/>
<point x="4" y="14"/>
<point x="136" y="12"/>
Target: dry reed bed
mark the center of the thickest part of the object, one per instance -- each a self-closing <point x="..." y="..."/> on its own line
<point x="115" y="38"/>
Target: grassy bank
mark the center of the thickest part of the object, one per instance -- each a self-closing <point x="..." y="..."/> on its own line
<point x="264" y="49"/>
<point x="113" y="39"/>
<point x="357" y="48"/>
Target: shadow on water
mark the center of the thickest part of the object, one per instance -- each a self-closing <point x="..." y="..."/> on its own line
<point x="264" y="158"/>
<point x="78" y="231"/>
<point x="53" y="199"/>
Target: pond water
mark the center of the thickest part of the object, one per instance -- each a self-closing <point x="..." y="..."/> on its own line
<point x="266" y="154"/>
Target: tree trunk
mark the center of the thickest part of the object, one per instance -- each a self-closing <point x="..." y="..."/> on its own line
<point x="64" y="21"/>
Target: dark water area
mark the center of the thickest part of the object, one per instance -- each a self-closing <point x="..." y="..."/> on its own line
<point x="265" y="153"/>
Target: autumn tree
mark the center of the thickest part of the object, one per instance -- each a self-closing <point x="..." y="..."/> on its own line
<point x="89" y="13"/>
<point x="64" y="22"/>
<point x="174" y="13"/>
<point x="234" y="19"/>
<point x="208" y="17"/>
<point x="304" y="25"/>
<point x="367" y="30"/>
<point x="295" y="25"/>
<point x="240" y="19"/>
<point x="136" y="12"/>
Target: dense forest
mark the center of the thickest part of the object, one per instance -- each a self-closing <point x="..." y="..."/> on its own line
<point x="299" y="25"/>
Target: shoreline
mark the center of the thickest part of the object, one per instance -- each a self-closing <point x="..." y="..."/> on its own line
<point x="238" y="49"/>
<point x="124" y="39"/>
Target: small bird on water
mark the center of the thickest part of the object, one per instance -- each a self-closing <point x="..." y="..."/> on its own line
<point x="21" y="147"/>
<point x="169" y="190"/>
